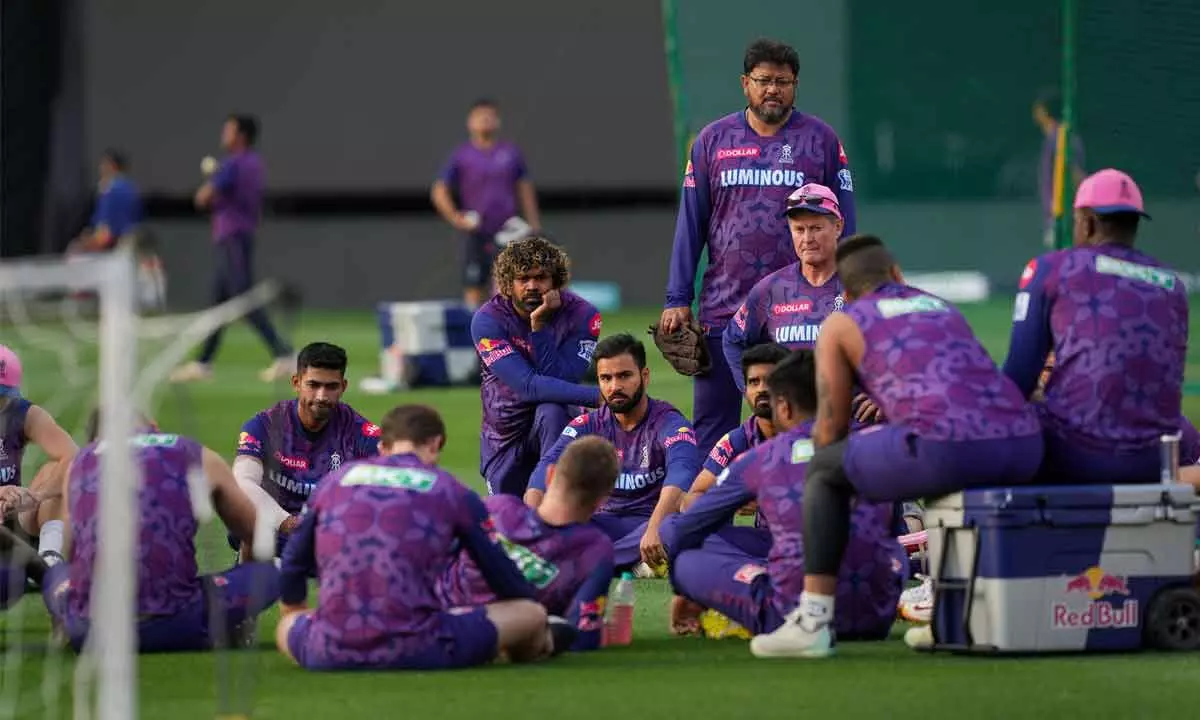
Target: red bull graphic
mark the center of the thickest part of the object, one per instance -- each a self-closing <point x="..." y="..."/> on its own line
<point x="1095" y="584"/>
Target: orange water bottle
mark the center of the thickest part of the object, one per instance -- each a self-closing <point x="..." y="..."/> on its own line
<point x="618" y="626"/>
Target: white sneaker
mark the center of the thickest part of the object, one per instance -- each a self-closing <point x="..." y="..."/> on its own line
<point x="191" y="372"/>
<point x="791" y="640"/>
<point x="916" y="603"/>
<point x="281" y="369"/>
<point x="919" y="637"/>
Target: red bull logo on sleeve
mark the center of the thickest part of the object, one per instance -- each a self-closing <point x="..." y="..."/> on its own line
<point x="492" y="350"/>
<point x="1096" y="584"/>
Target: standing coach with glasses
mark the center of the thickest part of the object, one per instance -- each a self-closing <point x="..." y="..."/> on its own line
<point x="741" y="170"/>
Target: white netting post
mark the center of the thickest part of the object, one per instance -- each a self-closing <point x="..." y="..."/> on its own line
<point x="113" y="634"/>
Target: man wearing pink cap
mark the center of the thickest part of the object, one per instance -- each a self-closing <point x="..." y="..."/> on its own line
<point x="740" y="172"/>
<point x="789" y="305"/>
<point x="1116" y="320"/>
<point x="38" y="511"/>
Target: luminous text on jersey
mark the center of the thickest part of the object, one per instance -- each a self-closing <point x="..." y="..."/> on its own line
<point x="761" y="177"/>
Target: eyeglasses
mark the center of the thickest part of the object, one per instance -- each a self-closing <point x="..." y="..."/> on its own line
<point x="781" y="83"/>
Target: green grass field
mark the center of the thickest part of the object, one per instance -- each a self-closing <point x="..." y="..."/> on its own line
<point x="659" y="676"/>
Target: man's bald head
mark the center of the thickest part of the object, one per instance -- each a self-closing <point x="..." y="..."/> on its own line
<point x="863" y="264"/>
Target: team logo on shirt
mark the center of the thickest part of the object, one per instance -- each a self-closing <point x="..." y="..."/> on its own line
<point x="492" y="350"/>
<point x="689" y="176"/>
<point x="738" y="152"/>
<point x="372" y="430"/>
<point x="595" y="325"/>
<point x="748" y="572"/>
<point x="586" y="348"/>
<point x="800" y="306"/>
<point x="645" y="456"/>
<point x="722" y="451"/>
<point x="802" y="451"/>
<point x="1027" y="274"/>
<point x="683" y="434"/>
<point x="248" y="443"/>
<point x="4" y="455"/>
<point x="845" y="181"/>
<point x="785" y="155"/>
<point x="335" y="461"/>
<point x="570" y="432"/>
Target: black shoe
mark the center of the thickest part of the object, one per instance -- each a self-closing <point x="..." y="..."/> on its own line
<point x="562" y="633"/>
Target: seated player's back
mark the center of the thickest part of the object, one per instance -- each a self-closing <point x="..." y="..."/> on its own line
<point x="1119" y="323"/>
<point x="386" y="534"/>
<point x="874" y="566"/>
<point x="927" y="371"/>
<point x="167" y="576"/>
<point x="505" y="415"/>
<point x="295" y="459"/>
<point x="556" y="560"/>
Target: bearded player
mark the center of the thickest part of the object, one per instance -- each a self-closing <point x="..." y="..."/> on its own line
<point x="955" y="421"/>
<point x="740" y="172"/>
<point x="709" y="572"/>
<point x="1116" y="321"/>
<point x="36" y="513"/>
<point x="380" y="535"/>
<point x="284" y="450"/>
<point x="535" y="340"/>
<point x="655" y="444"/>
<point x="566" y="558"/>
<point x="178" y="609"/>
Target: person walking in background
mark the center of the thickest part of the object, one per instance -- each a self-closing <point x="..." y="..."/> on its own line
<point x="479" y="191"/>
<point x="1047" y="115"/>
<point x="234" y="192"/>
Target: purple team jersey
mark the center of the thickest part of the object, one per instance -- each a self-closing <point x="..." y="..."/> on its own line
<point x="380" y="535"/>
<point x="12" y="438"/>
<point x="167" y="582"/>
<point x="924" y="368"/>
<point x="569" y="565"/>
<point x="735" y="190"/>
<point x="237" y="203"/>
<point x="734" y="443"/>
<point x="485" y="180"/>
<point x="1116" y="320"/>
<point x="660" y="450"/>
<point x="784" y="308"/>
<point x="873" y="568"/>
<point x="294" y="459"/>
<point x="522" y="368"/>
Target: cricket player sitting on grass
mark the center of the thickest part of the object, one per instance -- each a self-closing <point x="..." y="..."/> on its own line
<point x="178" y="609"/>
<point x="535" y="340"/>
<point x="34" y="514"/>
<point x="719" y="585"/>
<point x="755" y="365"/>
<point x="567" y="559"/>
<point x="284" y="450"/>
<point x="380" y="535"/>
<point x="655" y="444"/>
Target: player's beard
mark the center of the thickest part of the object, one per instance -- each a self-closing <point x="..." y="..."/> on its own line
<point x="762" y="406"/>
<point x="770" y="115"/>
<point x="531" y="301"/>
<point x="320" y="412"/>
<point x="622" y="404"/>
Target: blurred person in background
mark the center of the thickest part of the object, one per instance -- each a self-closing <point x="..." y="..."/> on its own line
<point x="1047" y="115"/>
<point x="234" y="193"/>
<point x="118" y="210"/>
<point x="479" y="191"/>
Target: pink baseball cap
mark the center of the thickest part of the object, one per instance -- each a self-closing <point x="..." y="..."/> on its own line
<point x="10" y="372"/>
<point x="1110" y="191"/>
<point x="813" y="198"/>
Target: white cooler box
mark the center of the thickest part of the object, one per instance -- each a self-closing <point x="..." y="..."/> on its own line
<point x="424" y="344"/>
<point x="1064" y="568"/>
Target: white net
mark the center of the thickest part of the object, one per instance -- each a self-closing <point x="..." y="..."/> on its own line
<point x="76" y="328"/>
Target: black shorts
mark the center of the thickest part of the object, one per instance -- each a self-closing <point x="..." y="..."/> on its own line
<point x="479" y="254"/>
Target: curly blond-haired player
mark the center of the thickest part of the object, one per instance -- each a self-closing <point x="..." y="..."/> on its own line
<point x="535" y="341"/>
